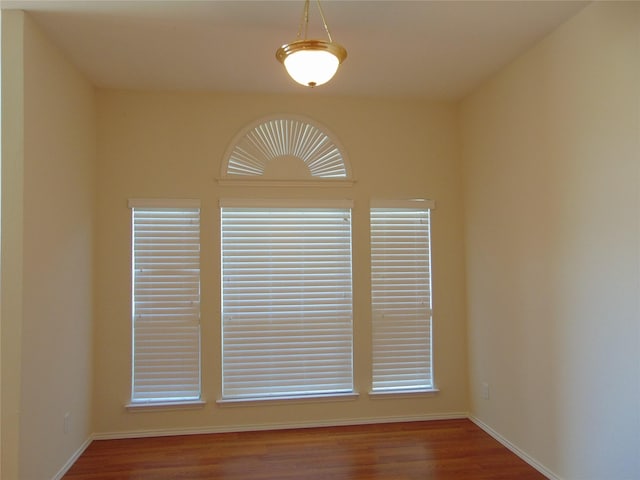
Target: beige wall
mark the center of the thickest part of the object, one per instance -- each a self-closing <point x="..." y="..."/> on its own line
<point x="11" y="259"/>
<point x="51" y="182"/>
<point x="551" y="166"/>
<point x="171" y="145"/>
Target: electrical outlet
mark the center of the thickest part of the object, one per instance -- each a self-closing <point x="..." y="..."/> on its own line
<point x="67" y="422"/>
<point x="484" y="392"/>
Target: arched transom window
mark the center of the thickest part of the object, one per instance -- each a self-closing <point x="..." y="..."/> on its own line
<point x="285" y="147"/>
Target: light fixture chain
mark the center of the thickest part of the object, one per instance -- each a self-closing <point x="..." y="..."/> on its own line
<point x="304" y="21"/>
<point x="324" y="21"/>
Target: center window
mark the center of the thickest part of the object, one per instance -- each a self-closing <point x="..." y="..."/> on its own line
<point x="286" y="300"/>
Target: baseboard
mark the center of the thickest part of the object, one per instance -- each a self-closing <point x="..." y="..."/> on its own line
<point x="277" y="426"/>
<point x="520" y="453"/>
<point x="65" y="468"/>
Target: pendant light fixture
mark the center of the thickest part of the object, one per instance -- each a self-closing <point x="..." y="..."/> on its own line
<point x="311" y="62"/>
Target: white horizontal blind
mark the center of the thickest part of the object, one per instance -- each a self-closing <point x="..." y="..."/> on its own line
<point x="401" y="298"/>
<point x="166" y="304"/>
<point x="287" y="302"/>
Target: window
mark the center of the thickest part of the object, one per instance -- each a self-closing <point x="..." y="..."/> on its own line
<point x="285" y="147"/>
<point x="286" y="301"/>
<point x="401" y="297"/>
<point x="166" y="301"/>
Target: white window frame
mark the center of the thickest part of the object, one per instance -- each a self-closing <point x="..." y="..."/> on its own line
<point x="401" y="296"/>
<point x="165" y="363"/>
<point x="245" y="339"/>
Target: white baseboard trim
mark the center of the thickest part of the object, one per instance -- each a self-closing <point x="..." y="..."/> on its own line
<point x="520" y="453"/>
<point x="276" y="426"/>
<point x="65" y="468"/>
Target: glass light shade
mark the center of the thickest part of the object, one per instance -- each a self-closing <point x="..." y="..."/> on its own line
<point x="311" y="62"/>
<point x="311" y="67"/>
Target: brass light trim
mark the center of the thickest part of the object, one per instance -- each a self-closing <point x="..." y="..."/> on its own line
<point x="334" y="48"/>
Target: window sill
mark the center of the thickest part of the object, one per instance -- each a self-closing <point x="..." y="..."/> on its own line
<point x="334" y="397"/>
<point x="248" y="182"/>
<point x="156" y="406"/>
<point x="404" y="393"/>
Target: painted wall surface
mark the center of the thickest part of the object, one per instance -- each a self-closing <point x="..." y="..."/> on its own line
<point x="171" y="145"/>
<point x="551" y="165"/>
<point x="57" y="291"/>
<point x="11" y="244"/>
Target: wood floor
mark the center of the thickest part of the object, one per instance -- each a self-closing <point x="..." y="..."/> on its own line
<point x="435" y="450"/>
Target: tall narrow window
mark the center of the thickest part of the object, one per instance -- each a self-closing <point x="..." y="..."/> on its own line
<point x="401" y="298"/>
<point x="286" y="301"/>
<point x="166" y="302"/>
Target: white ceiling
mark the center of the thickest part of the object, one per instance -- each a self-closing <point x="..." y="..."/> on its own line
<point x="434" y="49"/>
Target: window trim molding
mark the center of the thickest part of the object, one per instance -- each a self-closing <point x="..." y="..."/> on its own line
<point x="408" y="393"/>
<point x="411" y="203"/>
<point x="289" y="400"/>
<point x="163" y="203"/>
<point x="231" y="202"/>
<point x="260" y="182"/>
<point x="140" y="406"/>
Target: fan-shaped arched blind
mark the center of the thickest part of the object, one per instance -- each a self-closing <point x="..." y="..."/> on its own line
<point x="285" y="148"/>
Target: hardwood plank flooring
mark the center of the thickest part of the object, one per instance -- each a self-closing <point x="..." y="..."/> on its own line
<point x="434" y="450"/>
